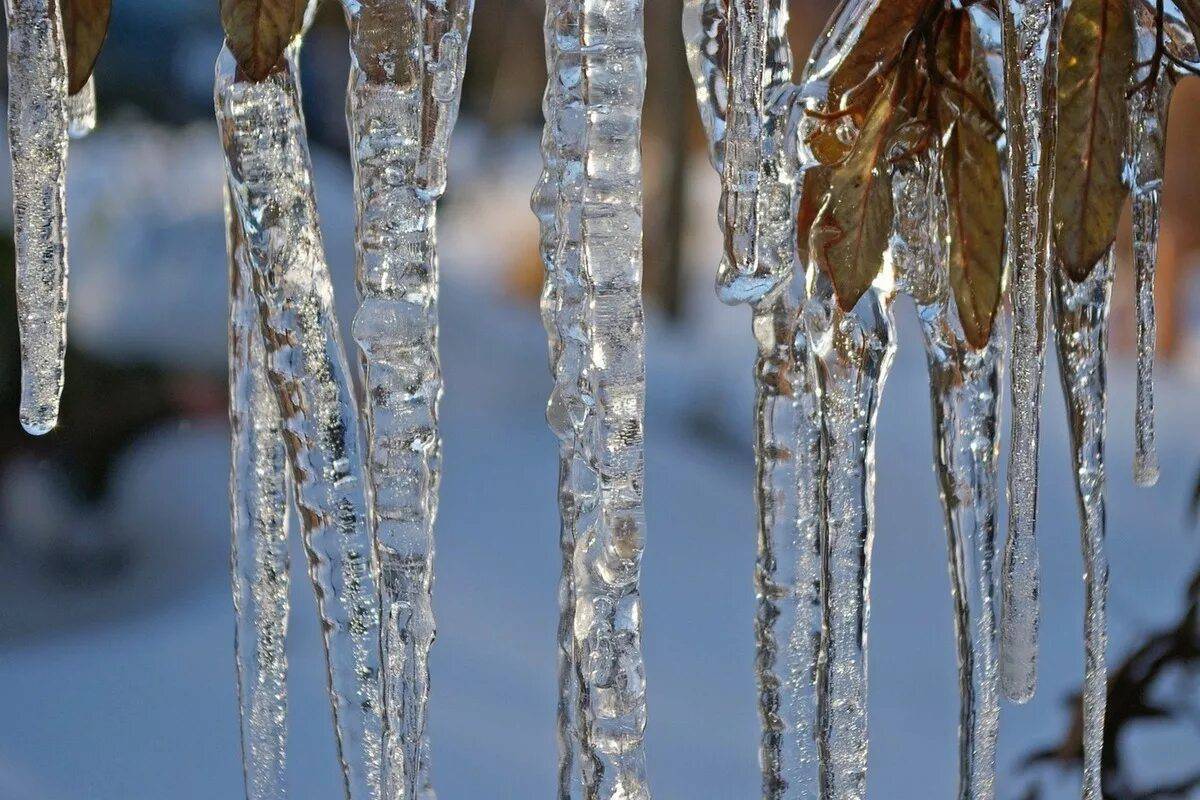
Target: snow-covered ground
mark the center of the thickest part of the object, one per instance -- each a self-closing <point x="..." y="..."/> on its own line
<point x="143" y="706"/>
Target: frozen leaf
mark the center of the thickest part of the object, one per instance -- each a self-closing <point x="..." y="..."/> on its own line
<point x="853" y="225"/>
<point x="258" y="31"/>
<point x="1095" y="62"/>
<point x="877" y="49"/>
<point x="85" y="24"/>
<point x="971" y="173"/>
<point x="1191" y="13"/>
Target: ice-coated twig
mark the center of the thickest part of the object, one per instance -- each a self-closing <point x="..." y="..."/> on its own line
<point x="81" y="110"/>
<point x="851" y="353"/>
<point x="1029" y="33"/>
<point x="37" y="138"/>
<point x="407" y="62"/>
<point x="258" y="488"/>
<point x="556" y="203"/>
<point x="592" y="151"/>
<point x="270" y="177"/>
<point x="965" y="394"/>
<point x="1081" y="313"/>
<point x="1148" y="107"/>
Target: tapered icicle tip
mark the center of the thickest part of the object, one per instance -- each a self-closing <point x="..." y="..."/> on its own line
<point x="1145" y="469"/>
<point x="1019" y="630"/>
<point x="39" y="405"/>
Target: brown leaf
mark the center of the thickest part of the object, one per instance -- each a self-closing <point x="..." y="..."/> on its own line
<point x="258" y="32"/>
<point x="85" y="24"/>
<point x="1095" y="62"/>
<point x="971" y="175"/>
<point x="1191" y="14"/>
<point x="851" y="229"/>
<point x="862" y="71"/>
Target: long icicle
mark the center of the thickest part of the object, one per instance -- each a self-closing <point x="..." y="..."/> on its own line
<point x="567" y="411"/>
<point x="752" y="53"/>
<point x="37" y="137"/>
<point x="601" y="220"/>
<point x="965" y="394"/>
<point x="258" y="488"/>
<point x="407" y="61"/>
<point x="1030" y="30"/>
<point x="1148" y="108"/>
<point x="852" y="353"/>
<point x="1081" y="313"/>
<point x="270" y="174"/>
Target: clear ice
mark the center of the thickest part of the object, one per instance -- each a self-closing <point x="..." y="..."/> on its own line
<point x="270" y="177"/>
<point x="258" y="490"/>
<point x="1081" y="314"/>
<point x="965" y="394"/>
<point x="37" y="137"/>
<point x="741" y="66"/>
<point x="407" y="63"/>
<point x="81" y="110"/>
<point x="589" y="202"/>
<point x="1029" y="33"/>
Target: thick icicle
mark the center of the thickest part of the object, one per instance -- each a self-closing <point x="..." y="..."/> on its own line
<point x="851" y="353"/>
<point x="1029" y="30"/>
<point x="1081" y="313"/>
<point x="270" y="175"/>
<point x="1148" y="107"/>
<point x="592" y="142"/>
<point x="81" y="110"/>
<point x="258" y="497"/>
<point x="965" y="394"/>
<point x="556" y="204"/>
<point x="37" y="137"/>
<point x="407" y="61"/>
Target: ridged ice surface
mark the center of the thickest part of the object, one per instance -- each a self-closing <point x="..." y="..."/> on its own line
<point x="1029" y="30"/>
<point x="258" y="489"/>
<point x="597" y="72"/>
<point x="851" y="354"/>
<point x="1081" y="314"/>
<point x="400" y="125"/>
<point x="37" y="138"/>
<point x="965" y="394"/>
<point x="270" y="176"/>
<point x="81" y="110"/>
<point x="706" y="44"/>
<point x="1148" y="109"/>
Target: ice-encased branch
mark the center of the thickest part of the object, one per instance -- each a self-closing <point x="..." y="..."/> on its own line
<point x="1081" y="314"/>
<point x="1029" y="32"/>
<point x="37" y="137"/>
<point x="270" y="177"/>
<point x="258" y="488"/>
<point x="599" y="223"/>
<point x="965" y="396"/>
<point x="407" y="62"/>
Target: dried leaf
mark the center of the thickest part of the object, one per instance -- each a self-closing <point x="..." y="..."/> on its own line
<point x="971" y="175"/>
<point x="1095" y="62"/>
<point x="853" y="225"/>
<point x="863" y="69"/>
<point x="258" y="32"/>
<point x="85" y="24"/>
<point x="1191" y="14"/>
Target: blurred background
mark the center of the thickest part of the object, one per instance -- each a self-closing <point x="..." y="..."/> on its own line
<point x="116" y="666"/>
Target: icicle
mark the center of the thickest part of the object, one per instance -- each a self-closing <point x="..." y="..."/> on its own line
<point x="555" y="203"/>
<point x="1081" y="313"/>
<point x="258" y="497"/>
<point x="592" y="302"/>
<point x="1030" y="30"/>
<point x="1148" y="107"/>
<point x="851" y="353"/>
<point x="405" y="83"/>
<point x="270" y="175"/>
<point x="37" y="136"/>
<point x="706" y="44"/>
<point x="81" y="110"/>
<point x="965" y="393"/>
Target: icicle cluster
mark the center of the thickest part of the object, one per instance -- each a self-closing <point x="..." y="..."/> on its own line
<point x="589" y="203"/>
<point x="270" y="180"/>
<point x="407" y="63"/>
